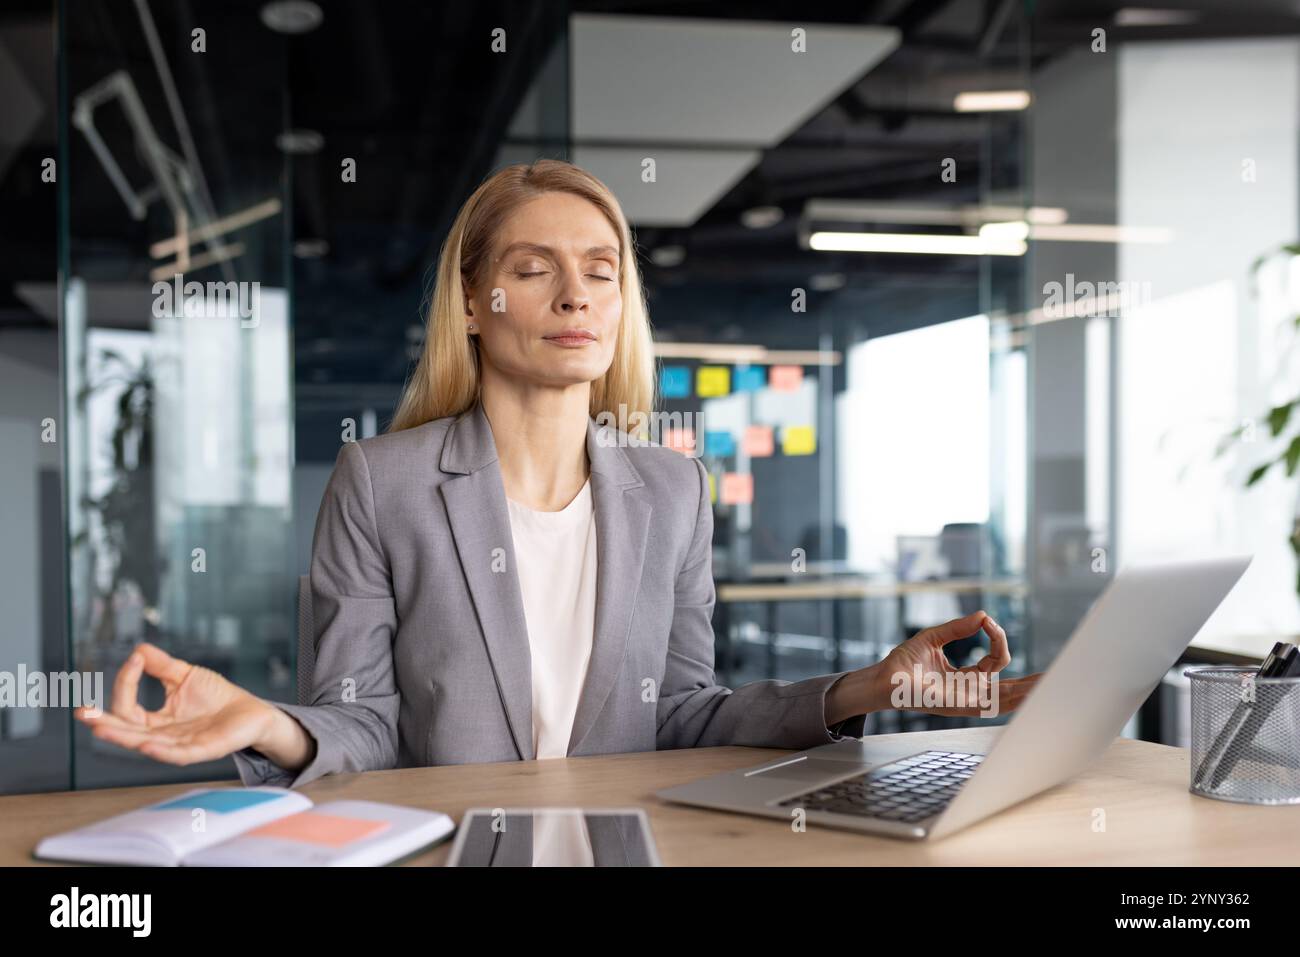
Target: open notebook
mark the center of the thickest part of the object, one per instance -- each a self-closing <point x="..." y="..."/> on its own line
<point x="251" y="827"/>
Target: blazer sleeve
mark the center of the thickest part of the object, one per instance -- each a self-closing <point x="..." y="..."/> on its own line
<point x="693" y="710"/>
<point x="354" y="708"/>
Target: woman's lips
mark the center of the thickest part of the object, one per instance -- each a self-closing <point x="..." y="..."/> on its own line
<point x="572" y="338"/>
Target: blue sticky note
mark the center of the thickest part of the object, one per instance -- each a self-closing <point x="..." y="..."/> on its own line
<point x="748" y="378"/>
<point x="223" y="801"/>
<point x="675" y="382"/>
<point x="719" y="443"/>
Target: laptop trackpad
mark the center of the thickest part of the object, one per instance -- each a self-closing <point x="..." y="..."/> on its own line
<point x="809" y="770"/>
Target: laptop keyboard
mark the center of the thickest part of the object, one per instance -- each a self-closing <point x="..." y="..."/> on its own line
<point x="911" y="789"/>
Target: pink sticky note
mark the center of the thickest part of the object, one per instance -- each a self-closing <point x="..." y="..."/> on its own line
<point x="757" y="441"/>
<point x="311" y="827"/>
<point x="785" y="378"/>
<point x="680" y="440"/>
<point x="737" y="488"/>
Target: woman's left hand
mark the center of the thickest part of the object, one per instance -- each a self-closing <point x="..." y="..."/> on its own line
<point x="917" y="676"/>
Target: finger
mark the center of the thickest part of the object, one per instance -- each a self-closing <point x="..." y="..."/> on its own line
<point x="163" y="666"/>
<point x="999" y="655"/>
<point x="126" y="688"/>
<point x="954" y="630"/>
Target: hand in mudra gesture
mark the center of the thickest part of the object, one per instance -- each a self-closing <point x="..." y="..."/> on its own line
<point x="961" y="696"/>
<point x="204" y="716"/>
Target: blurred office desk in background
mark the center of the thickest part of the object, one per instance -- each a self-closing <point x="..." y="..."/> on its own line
<point x="1150" y="817"/>
<point x="836" y="589"/>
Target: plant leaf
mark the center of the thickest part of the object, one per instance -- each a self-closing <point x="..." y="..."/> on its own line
<point x="1292" y="456"/>
<point x="1258" y="474"/>
<point x="1278" y="417"/>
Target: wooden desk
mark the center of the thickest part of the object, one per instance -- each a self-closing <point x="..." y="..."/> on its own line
<point x="1151" y="817"/>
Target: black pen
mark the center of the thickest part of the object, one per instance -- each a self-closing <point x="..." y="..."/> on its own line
<point x="1286" y="665"/>
<point x="1240" y="713"/>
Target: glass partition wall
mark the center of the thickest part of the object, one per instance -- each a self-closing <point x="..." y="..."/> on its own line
<point x="958" y="310"/>
<point x="178" y="370"/>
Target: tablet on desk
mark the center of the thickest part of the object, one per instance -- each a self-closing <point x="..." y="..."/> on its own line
<point x="554" y="837"/>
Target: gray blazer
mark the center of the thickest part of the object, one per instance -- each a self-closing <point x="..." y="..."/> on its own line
<point x="422" y="651"/>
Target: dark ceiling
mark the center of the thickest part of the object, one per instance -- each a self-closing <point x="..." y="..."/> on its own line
<point x="414" y="94"/>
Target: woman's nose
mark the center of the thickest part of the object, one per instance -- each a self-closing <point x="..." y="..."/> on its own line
<point x="574" y="296"/>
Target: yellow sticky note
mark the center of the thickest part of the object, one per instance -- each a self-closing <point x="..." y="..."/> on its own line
<point x="712" y="380"/>
<point x="713" y="489"/>
<point x="798" y="440"/>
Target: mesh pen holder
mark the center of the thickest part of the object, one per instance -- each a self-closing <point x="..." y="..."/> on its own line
<point x="1245" y="736"/>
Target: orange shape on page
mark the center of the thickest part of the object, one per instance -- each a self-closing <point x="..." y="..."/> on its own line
<point x="785" y="378"/>
<point x="737" y="488"/>
<point x="757" y="441"/>
<point x="680" y="440"/>
<point x="311" y="827"/>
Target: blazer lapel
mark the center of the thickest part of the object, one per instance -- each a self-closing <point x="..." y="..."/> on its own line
<point x="480" y="524"/>
<point x="622" y="526"/>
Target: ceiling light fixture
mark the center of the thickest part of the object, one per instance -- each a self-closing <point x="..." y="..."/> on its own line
<point x="292" y="16"/>
<point x="762" y="217"/>
<point x="990" y="101"/>
<point x="942" y="244"/>
<point x="668" y="256"/>
<point x="299" y="142"/>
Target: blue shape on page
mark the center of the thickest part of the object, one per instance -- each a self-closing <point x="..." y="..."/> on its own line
<point x="224" y="801"/>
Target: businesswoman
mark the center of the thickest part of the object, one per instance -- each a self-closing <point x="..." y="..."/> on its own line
<point x="501" y="576"/>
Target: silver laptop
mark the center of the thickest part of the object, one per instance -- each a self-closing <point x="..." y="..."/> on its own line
<point x="1130" y="637"/>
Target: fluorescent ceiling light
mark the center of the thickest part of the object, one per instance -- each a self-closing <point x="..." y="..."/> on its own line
<point x="990" y="101"/>
<point x="1075" y="233"/>
<point x="931" y="243"/>
<point x="1005" y="232"/>
<point x="903" y="214"/>
<point x="1101" y="233"/>
<point x="1148" y="17"/>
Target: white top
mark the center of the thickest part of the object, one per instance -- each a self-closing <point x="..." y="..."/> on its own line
<point x="556" y="557"/>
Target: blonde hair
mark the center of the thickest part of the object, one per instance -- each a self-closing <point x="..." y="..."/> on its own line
<point x="447" y="379"/>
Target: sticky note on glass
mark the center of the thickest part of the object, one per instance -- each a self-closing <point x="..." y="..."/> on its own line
<point x="785" y="378"/>
<point x="680" y="440"/>
<point x="224" y="801"/>
<point x="719" y="443"/>
<point x="737" y="488"/>
<point x="758" y="442"/>
<point x="798" y="440"/>
<point x="750" y="378"/>
<point x="712" y="380"/>
<point x="674" y="382"/>
<point x="312" y="827"/>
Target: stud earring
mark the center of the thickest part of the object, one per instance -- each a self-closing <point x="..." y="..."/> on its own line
<point x="472" y="328"/>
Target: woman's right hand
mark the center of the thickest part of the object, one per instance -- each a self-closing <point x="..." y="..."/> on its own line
<point x="204" y="716"/>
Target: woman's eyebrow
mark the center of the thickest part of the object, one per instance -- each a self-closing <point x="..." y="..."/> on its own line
<point x="539" y="248"/>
